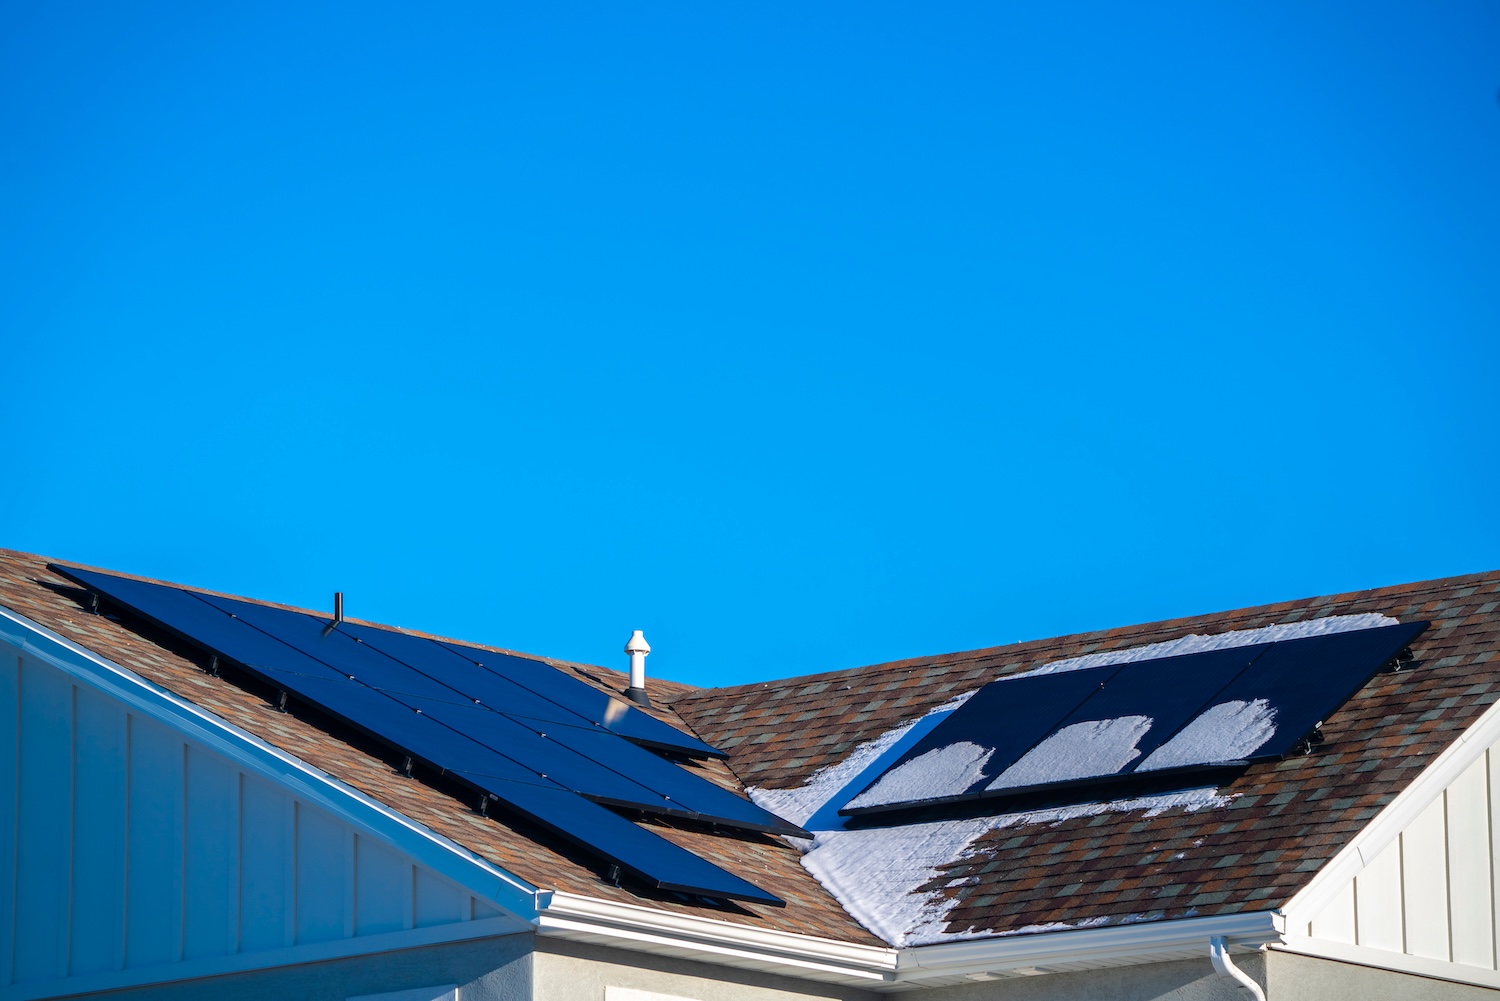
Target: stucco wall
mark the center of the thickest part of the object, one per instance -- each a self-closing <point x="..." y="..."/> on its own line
<point x="1307" y="978"/>
<point x="491" y="969"/>
<point x="569" y="971"/>
<point x="1190" y="980"/>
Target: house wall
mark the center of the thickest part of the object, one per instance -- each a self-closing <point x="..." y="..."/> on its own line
<point x="1432" y="893"/>
<point x="1291" y="977"/>
<point x="127" y="847"/>
<point x="1284" y="976"/>
<point x="495" y="969"/>
<point x="572" y="971"/>
<point x="1190" y="980"/>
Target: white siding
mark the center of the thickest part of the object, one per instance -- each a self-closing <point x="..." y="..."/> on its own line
<point x="1432" y="892"/>
<point x="125" y="845"/>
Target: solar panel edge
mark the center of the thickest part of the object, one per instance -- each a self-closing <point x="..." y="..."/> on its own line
<point x="683" y="743"/>
<point x="730" y="886"/>
<point x="1405" y="633"/>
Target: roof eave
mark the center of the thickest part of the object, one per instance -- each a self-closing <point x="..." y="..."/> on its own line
<point x="643" y="929"/>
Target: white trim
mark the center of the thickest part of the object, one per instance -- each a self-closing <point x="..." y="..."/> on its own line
<point x="566" y="915"/>
<point x="1218" y="954"/>
<point x="1132" y="942"/>
<point x="628" y="926"/>
<point x="196" y="969"/>
<point x="1398" y="962"/>
<point x="475" y="874"/>
<point x="1398" y="814"/>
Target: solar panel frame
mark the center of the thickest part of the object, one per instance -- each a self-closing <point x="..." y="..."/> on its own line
<point x="585" y="700"/>
<point x="1336" y="664"/>
<point x="208" y="625"/>
<point x="1314" y="662"/>
<point x="1016" y="727"/>
<point x="611" y="770"/>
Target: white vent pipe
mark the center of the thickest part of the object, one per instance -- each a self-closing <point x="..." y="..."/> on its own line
<point x="638" y="648"/>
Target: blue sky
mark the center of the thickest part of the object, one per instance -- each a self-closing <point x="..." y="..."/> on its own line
<point x="798" y="338"/>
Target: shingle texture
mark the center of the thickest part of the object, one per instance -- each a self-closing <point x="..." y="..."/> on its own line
<point x="28" y="587"/>
<point x="1285" y="819"/>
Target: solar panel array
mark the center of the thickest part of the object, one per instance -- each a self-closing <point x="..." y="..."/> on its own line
<point x="1148" y="719"/>
<point x="536" y="741"/>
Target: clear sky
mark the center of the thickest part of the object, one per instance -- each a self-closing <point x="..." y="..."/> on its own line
<point x="800" y="336"/>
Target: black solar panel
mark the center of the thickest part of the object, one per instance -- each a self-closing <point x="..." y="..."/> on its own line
<point x="1302" y="682"/>
<point x="532" y="765"/>
<point x="587" y="701"/>
<point x="1155" y="717"/>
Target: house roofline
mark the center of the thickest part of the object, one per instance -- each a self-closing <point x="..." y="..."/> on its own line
<point x="1398" y="814"/>
<point x="642" y="929"/>
<point x="475" y="874"/>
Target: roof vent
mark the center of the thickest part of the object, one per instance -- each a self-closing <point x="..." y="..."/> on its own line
<point x="638" y="648"/>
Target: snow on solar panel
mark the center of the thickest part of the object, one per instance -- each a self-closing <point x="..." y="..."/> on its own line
<point x="1203" y="710"/>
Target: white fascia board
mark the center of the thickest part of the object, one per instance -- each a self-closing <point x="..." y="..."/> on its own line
<point x="1399" y="962"/>
<point x="1398" y="814"/>
<point x="1247" y="931"/>
<point x="642" y="928"/>
<point x="565" y="914"/>
<point x="475" y="874"/>
<point x="297" y="955"/>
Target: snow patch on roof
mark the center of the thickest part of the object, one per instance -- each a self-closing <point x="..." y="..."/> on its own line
<point x="1228" y="731"/>
<point x="955" y="767"/>
<point x="801" y="804"/>
<point x="1196" y="643"/>
<point x="1079" y="751"/>
<point x="880" y="874"/>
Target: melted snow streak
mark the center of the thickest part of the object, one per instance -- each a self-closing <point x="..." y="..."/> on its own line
<point x="799" y="805"/>
<point x="1194" y="643"/>
<point x="955" y="767"/>
<point x="1079" y="751"/>
<point x="1227" y="732"/>
<point x="878" y="874"/>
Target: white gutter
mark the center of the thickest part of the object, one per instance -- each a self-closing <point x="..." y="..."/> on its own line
<point x="1218" y="954"/>
<point x="1185" y="937"/>
<point x="628" y="926"/>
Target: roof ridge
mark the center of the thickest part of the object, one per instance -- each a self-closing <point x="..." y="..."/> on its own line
<point x="955" y="657"/>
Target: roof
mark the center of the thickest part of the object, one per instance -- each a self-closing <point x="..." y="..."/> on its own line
<point x="1248" y="846"/>
<point x="29" y="588"/>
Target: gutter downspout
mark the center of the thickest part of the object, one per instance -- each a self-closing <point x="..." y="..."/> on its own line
<point x="1218" y="952"/>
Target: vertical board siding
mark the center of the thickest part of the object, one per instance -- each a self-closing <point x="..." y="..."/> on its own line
<point x="211" y="857"/>
<point x="265" y="862"/>
<point x="1424" y="883"/>
<point x="1470" y="917"/>
<point x="153" y="872"/>
<point x="321" y="871"/>
<point x="45" y="829"/>
<point x="1377" y="895"/>
<point x="1337" y="922"/>
<point x="383" y="889"/>
<point x="124" y="844"/>
<point x="436" y="901"/>
<point x="10" y="764"/>
<point x="99" y="835"/>
<point x="1433" y="892"/>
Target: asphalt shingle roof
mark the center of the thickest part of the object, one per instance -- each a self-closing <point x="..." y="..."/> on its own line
<point x="1285" y="819"/>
